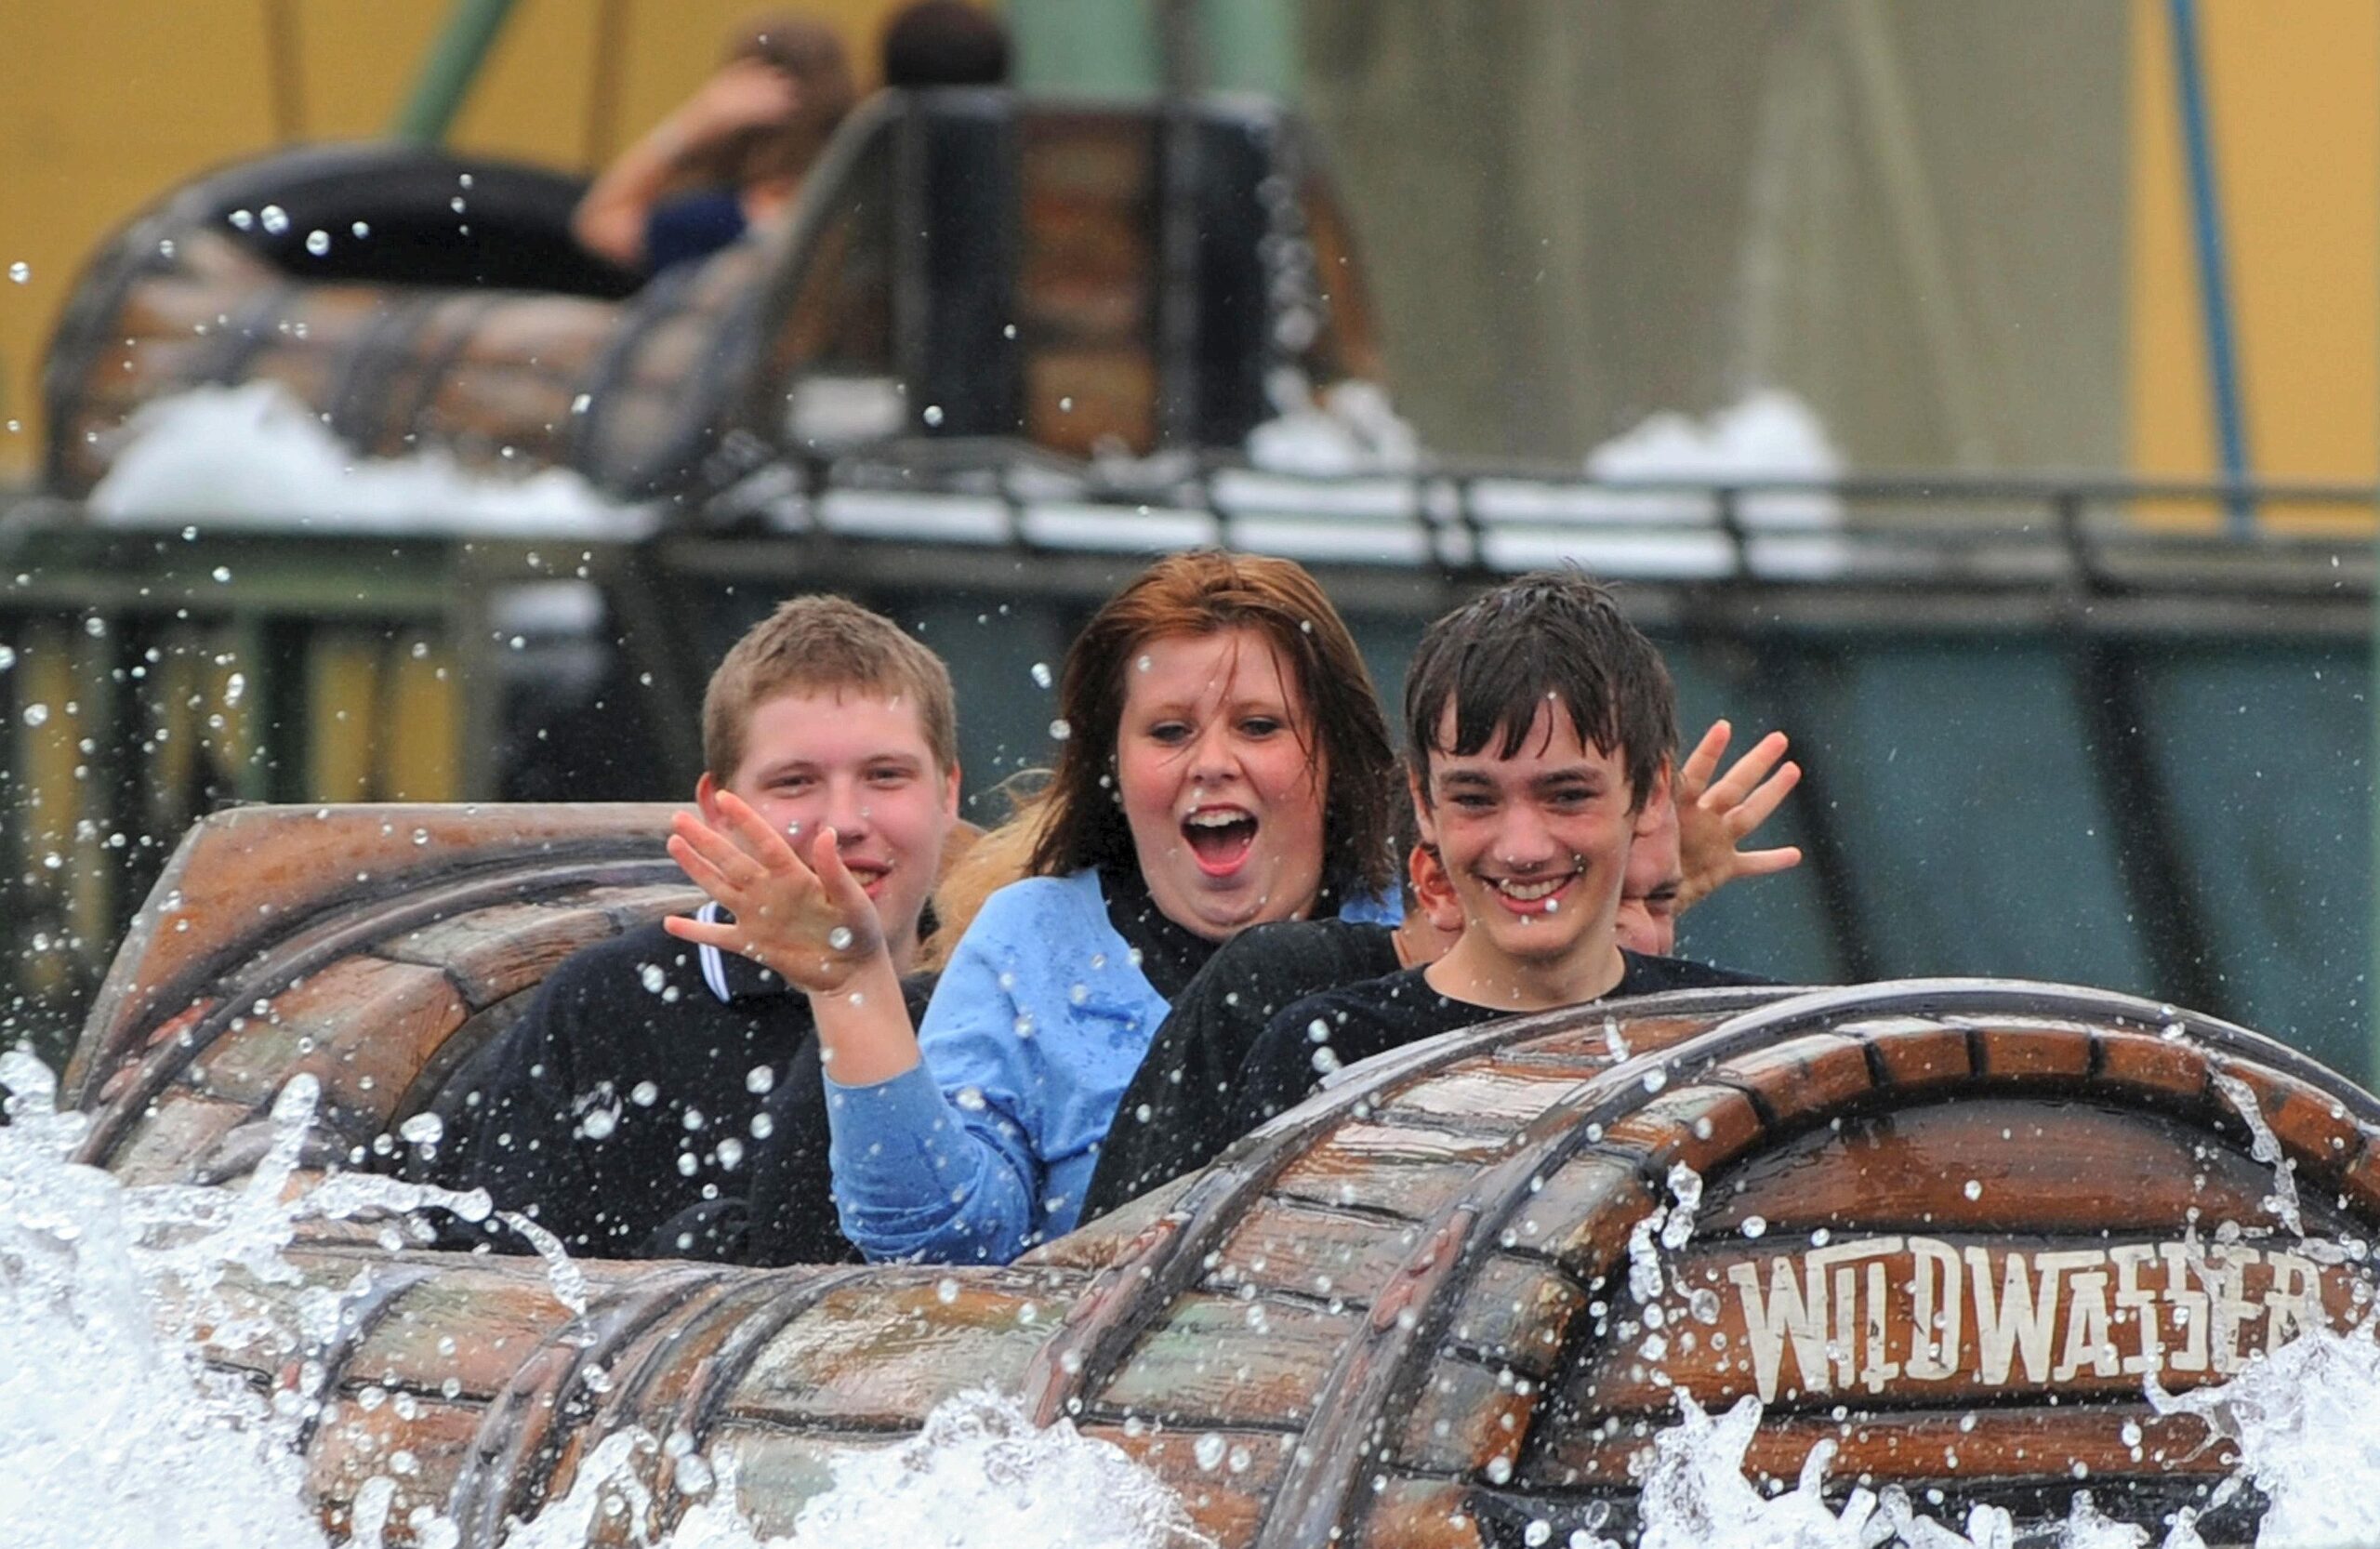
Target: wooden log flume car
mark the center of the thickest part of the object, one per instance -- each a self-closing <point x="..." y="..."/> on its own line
<point x="1950" y="1227"/>
<point x="960" y="264"/>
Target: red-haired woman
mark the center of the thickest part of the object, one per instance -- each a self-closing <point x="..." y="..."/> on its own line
<point x="1227" y="765"/>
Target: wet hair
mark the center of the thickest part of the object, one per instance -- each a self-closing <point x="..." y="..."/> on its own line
<point x="1080" y="817"/>
<point x="944" y="43"/>
<point x="1552" y="635"/>
<point x="813" y="56"/>
<point x="822" y="644"/>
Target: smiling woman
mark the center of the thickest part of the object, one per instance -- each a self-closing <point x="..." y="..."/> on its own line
<point x="1227" y="765"/>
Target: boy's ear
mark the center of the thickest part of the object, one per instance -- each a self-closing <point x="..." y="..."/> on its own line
<point x="951" y="794"/>
<point x="707" y="797"/>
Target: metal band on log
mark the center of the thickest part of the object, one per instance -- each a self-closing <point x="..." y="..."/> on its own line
<point x="1950" y="1228"/>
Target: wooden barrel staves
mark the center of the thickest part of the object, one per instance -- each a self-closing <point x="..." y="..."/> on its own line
<point x="959" y="264"/>
<point x="1949" y="1228"/>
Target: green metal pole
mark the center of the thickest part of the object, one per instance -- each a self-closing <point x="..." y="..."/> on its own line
<point x="447" y="74"/>
<point x="1252" y="46"/>
<point x="1086" y="47"/>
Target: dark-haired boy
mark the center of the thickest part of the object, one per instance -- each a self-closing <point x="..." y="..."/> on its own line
<point x="625" y="1109"/>
<point x="1540" y="724"/>
<point x="1177" y="1115"/>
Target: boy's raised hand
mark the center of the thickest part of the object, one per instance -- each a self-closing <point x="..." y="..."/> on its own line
<point x="1714" y="817"/>
<point x="810" y="922"/>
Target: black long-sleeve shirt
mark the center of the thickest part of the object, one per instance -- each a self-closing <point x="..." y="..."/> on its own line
<point x="619" y="1112"/>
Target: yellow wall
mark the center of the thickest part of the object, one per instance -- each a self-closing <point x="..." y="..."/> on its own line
<point x="107" y="104"/>
<point x="2293" y="95"/>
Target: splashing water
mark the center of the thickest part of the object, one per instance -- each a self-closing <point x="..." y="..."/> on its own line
<point x="109" y="1433"/>
<point x="113" y="1430"/>
<point x="2307" y="1422"/>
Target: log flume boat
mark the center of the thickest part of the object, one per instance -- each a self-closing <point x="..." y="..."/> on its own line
<point x="1950" y="1227"/>
<point x="961" y="266"/>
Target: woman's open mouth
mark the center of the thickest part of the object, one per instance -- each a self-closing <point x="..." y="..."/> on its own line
<point x="1220" y="839"/>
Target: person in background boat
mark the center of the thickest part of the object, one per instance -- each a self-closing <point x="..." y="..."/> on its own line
<point x="1225" y="763"/>
<point x="944" y="43"/>
<point x="731" y="158"/>
<point x="1177" y="1114"/>
<point x="1540" y="722"/>
<point x="619" y="1111"/>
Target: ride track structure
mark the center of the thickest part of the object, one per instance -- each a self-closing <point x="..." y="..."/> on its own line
<point x="1953" y="1227"/>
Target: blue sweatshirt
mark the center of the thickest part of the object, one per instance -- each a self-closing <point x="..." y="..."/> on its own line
<point x="1035" y="1030"/>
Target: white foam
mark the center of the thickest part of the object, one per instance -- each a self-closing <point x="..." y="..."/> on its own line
<point x="112" y="1430"/>
<point x="1348" y="428"/>
<point x="253" y="457"/>
<point x="2307" y="1422"/>
<point x="1768" y="434"/>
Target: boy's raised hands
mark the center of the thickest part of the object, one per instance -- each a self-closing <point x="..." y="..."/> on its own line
<point x="1714" y="817"/>
<point x="807" y="919"/>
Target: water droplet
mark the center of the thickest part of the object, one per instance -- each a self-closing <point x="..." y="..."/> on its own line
<point x="20" y="272"/>
<point x="317" y="243"/>
<point x="7" y="657"/>
<point x="236" y="688"/>
<point x="946" y="1290"/>
<point x="1208" y="1449"/>
<point x="1041" y="677"/>
<point x="36" y="715"/>
<point x="651" y="976"/>
<point x="644" y="1094"/>
<point x="275" y="219"/>
<point x="223" y="575"/>
<point x="1754" y="1225"/>
<point x="761" y="1077"/>
<point x="1972" y="1189"/>
<point x="362" y="229"/>
<point x="243" y="220"/>
<point x="840" y="938"/>
<point x="933" y="414"/>
<point x="1656" y="1079"/>
<point x="1060" y="731"/>
<point x="731" y="1153"/>
<point x="422" y="1129"/>
<point x="600" y="1123"/>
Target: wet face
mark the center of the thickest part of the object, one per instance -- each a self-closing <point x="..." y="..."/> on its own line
<point x="862" y="765"/>
<point x="1534" y="846"/>
<point x="1221" y="780"/>
<point x="1648" y="887"/>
